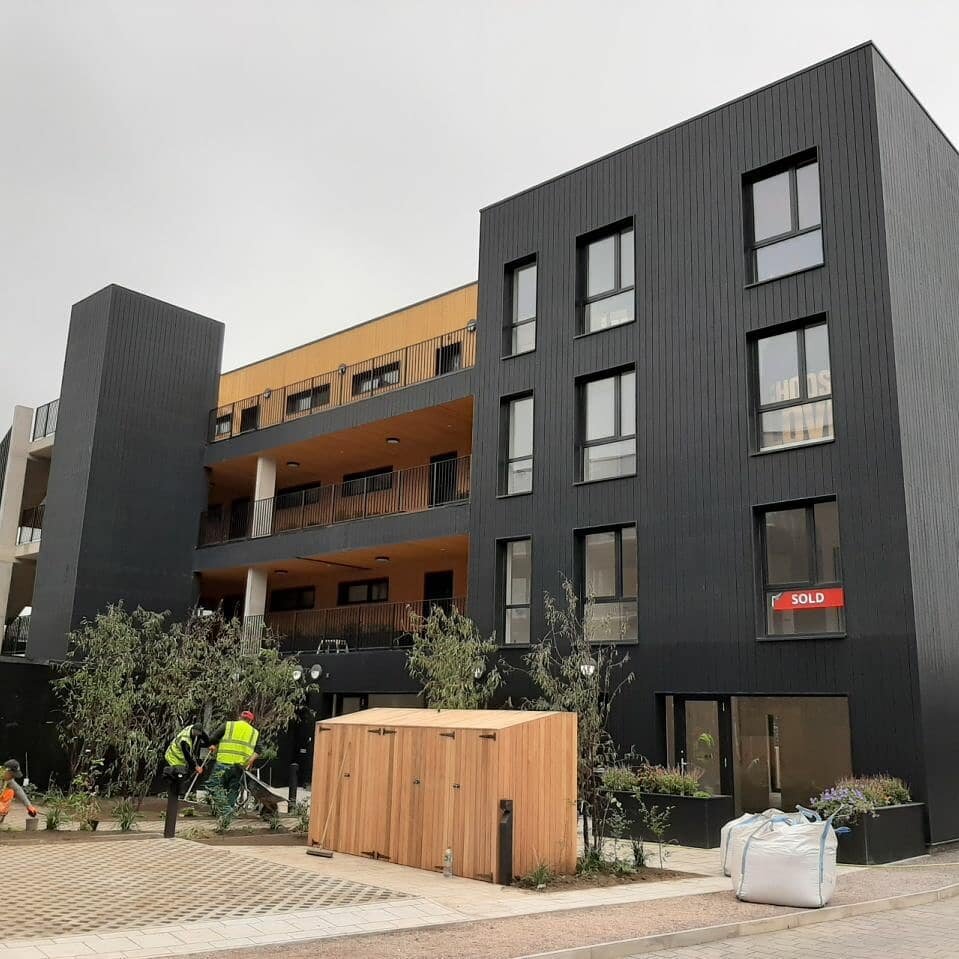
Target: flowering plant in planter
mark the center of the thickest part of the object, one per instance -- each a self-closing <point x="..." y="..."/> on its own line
<point x="858" y="796"/>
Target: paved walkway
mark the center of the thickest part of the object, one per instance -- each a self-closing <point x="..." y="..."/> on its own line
<point x="923" y="932"/>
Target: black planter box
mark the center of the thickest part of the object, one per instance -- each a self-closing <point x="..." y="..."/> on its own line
<point x="692" y="821"/>
<point x="894" y="833"/>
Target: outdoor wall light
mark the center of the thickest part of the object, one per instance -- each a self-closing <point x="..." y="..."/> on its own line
<point x="297" y="674"/>
<point x="382" y="559"/>
<point x="342" y="368"/>
<point x="267" y="393"/>
<point x="393" y="440"/>
<point x="280" y="572"/>
<point x="293" y="464"/>
<point x="316" y="671"/>
<point x="471" y="326"/>
<point x="587" y="669"/>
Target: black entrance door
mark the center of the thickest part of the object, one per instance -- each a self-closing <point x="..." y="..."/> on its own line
<point x="442" y="479"/>
<point x="438" y="591"/>
<point x="702" y="728"/>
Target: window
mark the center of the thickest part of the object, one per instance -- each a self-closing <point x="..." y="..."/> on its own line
<point x="517" y="473"/>
<point x="448" y="358"/>
<point x="607" y="427"/>
<point x="378" y="378"/>
<point x="223" y="425"/>
<point x="288" y="600"/>
<point x="803" y="570"/>
<point x="521" y="330"/>
<point x="369" y="481"/>
<point x="306" y="400"/>
<point x="518" y="572"/>
<point x="611" y="579"/>
<point x="249" y="418"/>
<point x="794" y="388"/>
<point x="608" y="272"/>
<point x="365" y="591"/>
<point x="785" y="221"/>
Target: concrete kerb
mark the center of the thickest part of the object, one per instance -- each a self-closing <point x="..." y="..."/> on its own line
<point x="705" y="934"/>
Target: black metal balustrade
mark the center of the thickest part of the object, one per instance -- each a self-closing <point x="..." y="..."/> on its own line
<point x="45" y="419"/>
<point x="412" y="490"/>
<point x="15" y="637"/>
<point x="415" y="363"/>
<point x="31" y="525"/>
<point x="344" y="629"/>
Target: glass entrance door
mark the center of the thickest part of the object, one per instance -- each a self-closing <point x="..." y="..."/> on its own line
<point x="699" y="732"/>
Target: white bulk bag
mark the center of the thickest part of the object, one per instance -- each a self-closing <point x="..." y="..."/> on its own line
<point x="741" y="828"/>
<point x="789" y="864"/>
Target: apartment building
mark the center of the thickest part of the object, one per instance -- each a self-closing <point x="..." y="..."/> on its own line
<point x="710" y="378"/>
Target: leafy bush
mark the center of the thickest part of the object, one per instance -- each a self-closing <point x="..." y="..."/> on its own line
<point x="620" y="779"/>
<point x="670" y="781"/>
<point x="856" y="796"/>
<point x="539" y="878"/>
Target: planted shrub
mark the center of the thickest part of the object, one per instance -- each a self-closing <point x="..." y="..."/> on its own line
<point x="620" y="779"/>
<point x="853" y="797"/>
<point x="126" y="814"/>
<point x="670" y="781"/>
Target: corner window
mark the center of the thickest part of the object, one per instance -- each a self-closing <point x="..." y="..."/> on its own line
<point x="223" y="425"/>
<point x="611" y="580"/>
<point x="785" y="221"/>
<point x="366" y="591"/>
<point x="303" y="401"/>
<point x="517" y="461"/>
<point x="794" y="388"/>
<point x="802" y="570"/>
<point x="521" y="310"/>
<point x="608" y="281"/>
<point x="518" y="574"/>
<point x="379" y="378"/>
<point x="607" y="427"/>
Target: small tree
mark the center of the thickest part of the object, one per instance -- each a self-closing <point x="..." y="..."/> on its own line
<point x="574" y="673"/>
<point x="450" y="658"/>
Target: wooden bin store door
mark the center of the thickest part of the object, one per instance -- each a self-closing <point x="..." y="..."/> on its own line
<point x="474" y="805"/>
<point x="439" y="760"/>
<point x="374" y="777"/>
<point x="331" y="783"/>
<point x="406" y="797"/>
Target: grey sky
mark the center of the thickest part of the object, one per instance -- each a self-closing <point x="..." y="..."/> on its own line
<point x="293" y="168"/>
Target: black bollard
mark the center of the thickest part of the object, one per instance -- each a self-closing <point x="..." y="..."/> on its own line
<point x="174" y="776"/>
<point x="294" y="783"/>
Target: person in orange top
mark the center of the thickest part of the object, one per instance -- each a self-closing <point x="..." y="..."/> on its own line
<point x="10" y="789"/>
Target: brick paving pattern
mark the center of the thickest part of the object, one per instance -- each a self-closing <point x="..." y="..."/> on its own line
<point x="92" y="887"/>
<point x="923" y="932"/>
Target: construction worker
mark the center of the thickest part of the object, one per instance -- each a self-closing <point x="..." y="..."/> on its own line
<point x="235" y="744"/>
<point x="183" y="753"/>
<point x="10" y="789"/>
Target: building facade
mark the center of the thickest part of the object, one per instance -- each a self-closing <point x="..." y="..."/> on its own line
<point x="707" y="379"/>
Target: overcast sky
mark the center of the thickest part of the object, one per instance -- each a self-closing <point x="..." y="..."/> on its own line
<point x="291" y="168"/>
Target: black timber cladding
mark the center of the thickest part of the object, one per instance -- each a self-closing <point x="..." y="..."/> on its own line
<point x="126" y="479"/>
<point x="920" y="193"/>
<point x="697" y="487"/>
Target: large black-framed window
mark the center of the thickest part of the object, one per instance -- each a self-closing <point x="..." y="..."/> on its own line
<point x="606" y="428"/>
<point x="361" y="592"/>
<point x="607" y="280"/>
<point x="250" y="418"/>
<point x="802" y="569"/>
<point x="516" y="445"/>
<point x="307" y="400"/>
<point x="223" y="425"/>
<point x="793" y="387"/>
<point x="520" y="328"/>
<point x="378" y="378"/>
<point x="292" y="599"/>
<point x="784" y="218"/>
<point x="517" y="572"/>
<point x="609" y="562"/>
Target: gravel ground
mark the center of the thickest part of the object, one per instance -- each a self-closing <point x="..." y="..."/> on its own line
<point x="509" y="938"/>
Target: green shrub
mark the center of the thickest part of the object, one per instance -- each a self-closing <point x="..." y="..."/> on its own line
<point x="126" y="814"/>
<point x="670" y="781"/>
<point x="619" y="779"/>
<point x="853" y="797"/>
<point x="539" y="878"/>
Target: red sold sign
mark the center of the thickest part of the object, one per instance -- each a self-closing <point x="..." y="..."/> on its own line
<point x="809" y="599"/>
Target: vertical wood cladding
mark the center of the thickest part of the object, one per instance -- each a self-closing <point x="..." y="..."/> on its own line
<point x="127" y="480"/>
<point x="920" y="181"/>
<point x="697" y="487"/>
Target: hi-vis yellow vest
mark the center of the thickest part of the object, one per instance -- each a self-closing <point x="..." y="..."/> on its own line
<point x="174" y="754"/>
<point x="236" y="748"/>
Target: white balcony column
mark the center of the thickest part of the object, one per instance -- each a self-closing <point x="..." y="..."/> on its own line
<point x="11" y="502"/>
<point x="263" y="493"/>
<point x="254" y="608"/>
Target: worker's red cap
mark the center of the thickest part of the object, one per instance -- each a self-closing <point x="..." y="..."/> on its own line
<point x="246" y="714"/>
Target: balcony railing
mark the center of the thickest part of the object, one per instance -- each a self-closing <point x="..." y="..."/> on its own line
<point x="347" y="384"/>
<point x="412" y="490"/>
<point x="45" y="420"/>
<point x="31" y="525"/>
<point x="344" y="629"/>
<point x="16" y="636"/>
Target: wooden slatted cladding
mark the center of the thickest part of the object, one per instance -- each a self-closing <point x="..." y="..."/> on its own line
<point x="408" y="784"/>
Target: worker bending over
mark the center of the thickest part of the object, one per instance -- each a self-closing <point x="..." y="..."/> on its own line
<point x="10" y="789"/>
<point x="183" y="753"/>
<point x="235" y="744"/>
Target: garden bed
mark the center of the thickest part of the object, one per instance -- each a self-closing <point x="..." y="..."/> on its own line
<point x="693" y="820"/>
<point x="894" y="833"/>
<point x="43" y="836"/>
<point x="604" y="879"/>
<point x="241" y="837"/>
